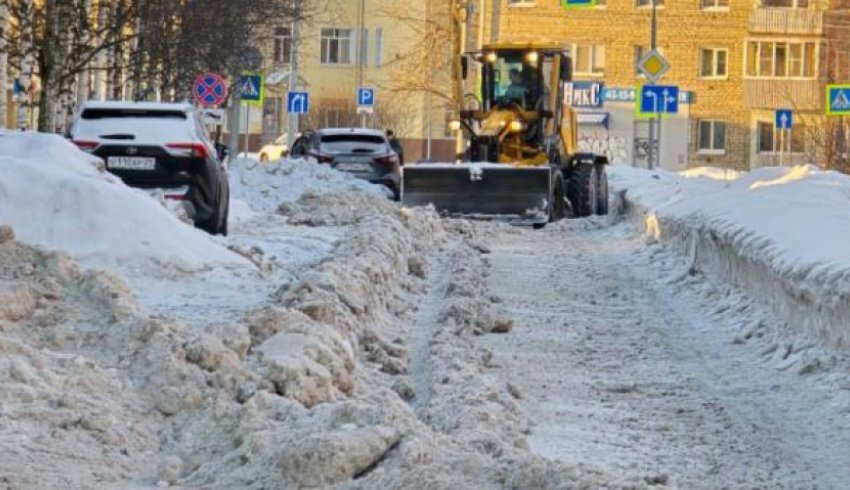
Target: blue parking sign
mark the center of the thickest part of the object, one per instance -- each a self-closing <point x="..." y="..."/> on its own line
<point x="365" y="97"/>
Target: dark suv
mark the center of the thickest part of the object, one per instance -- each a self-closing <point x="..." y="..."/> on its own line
<point x="151" y="145"/>
<point x="364" y="153"/>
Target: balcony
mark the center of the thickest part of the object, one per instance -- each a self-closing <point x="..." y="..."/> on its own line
<point x="787" y="21"/>
<point x="776" y="93"/>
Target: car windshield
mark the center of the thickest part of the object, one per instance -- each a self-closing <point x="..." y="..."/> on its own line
<point x="353" y="143"/>
<point x="513" y="78"/>
<point x="133" y="125"/>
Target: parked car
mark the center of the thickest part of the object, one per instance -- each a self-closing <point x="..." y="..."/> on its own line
<point x="364" y="153"/>
<point x="274" y="150"/>
<point x="152" y="146"/>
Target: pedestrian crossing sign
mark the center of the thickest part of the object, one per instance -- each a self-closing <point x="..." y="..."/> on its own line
<point x="251" y="90"/>
<point x="838" y="100"/>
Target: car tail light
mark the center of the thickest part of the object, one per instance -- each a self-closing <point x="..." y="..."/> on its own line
<point x="86" y="145"/>
<point x="322" y="158"/>
<point x="195" y="150"/>
<point x="386" y="160"/>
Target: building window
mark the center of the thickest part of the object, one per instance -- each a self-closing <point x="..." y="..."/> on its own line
<point x="648" y="3"/>
<point x="336" y="46"/>
<point x="282" y="45"/>
<point x="521" y="3"/>
<point x="711" y="138"/>
<point x="770" y="140"/>
<point x="714" y="4"/>
<point x="767" y="59"/>
<point x="589" y="60"/>
<point x="379" y="47"/>
<point x="794" y="4"/>
<point x="714" y="63"/>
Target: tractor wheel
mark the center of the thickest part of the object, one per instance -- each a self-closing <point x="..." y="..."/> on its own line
<point x="558" y="209"/>
<point x="583" y="189"/>
<point x="602" y="190"/>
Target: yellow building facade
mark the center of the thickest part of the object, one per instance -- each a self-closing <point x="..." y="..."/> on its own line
<point x="736" y="62"/>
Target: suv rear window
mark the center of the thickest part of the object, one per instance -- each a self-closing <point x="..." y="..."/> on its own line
<point x="353" y="143"/>
<point x="140" y="113"/>
<point x="140" y="126"/>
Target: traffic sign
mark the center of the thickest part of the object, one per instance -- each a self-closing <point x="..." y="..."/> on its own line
<point x="210" y="89"/>
<point x="653" y="66"/>
<point x="213" y="117"/>
<point x="659" y="99"/>
<point x="365" y="97"/>
<point x="578" y="4"/>
<point x="838" y="100"/>
<point x="784" y="119"/>
<point x="251" y="89"/>
<point x="297" y="102"/>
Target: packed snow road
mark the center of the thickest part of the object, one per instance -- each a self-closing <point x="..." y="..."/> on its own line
<point x="627" y="359"/>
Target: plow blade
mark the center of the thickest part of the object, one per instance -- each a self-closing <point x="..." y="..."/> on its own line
<point x="480" y="191"/>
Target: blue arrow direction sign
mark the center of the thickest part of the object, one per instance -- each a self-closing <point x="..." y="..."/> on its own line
<point x="659" y="99"/>
<point x="297" y="102"/>
<point x="838" y="100"/>
<point x="784" y="119"/>
<point x="365" y="97"/>
<point x="578" y="4"/>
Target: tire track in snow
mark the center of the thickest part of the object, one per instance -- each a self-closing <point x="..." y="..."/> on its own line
<point x="425" y="325"/>
<point x="615" y="377"/>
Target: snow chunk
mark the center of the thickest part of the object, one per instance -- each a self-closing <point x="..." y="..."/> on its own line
<point x="56" y="196"/>
<point x="264" y="186"/>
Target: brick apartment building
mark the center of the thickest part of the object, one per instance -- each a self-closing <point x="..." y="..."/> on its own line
<point x="736" y="61"/>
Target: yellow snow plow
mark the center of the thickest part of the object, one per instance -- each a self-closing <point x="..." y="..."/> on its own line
<point x="521" y="162"/>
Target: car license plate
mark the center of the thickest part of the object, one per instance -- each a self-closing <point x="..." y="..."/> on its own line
<point x="131" y="163"/>
<point x="354" y="167"/>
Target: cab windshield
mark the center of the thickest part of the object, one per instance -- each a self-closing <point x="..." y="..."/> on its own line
<point x="513" y="78"/>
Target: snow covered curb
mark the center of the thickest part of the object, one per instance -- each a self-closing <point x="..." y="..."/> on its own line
<point x="782" y="235"/>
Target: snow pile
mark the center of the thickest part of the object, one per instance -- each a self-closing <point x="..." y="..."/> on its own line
<point x="781" y="234"/>
<point x="58" y="197"/>
<point x="265" y="186"/>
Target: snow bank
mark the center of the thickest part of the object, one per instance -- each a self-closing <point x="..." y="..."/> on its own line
<point x="265" y="186"/>
<point x="781" y="234"/>
<point x="59" y="197"/>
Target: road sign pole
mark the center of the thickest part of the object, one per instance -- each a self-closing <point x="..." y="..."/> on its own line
<point x="247" y="126"/>
<point x="233" y="145"/>
<point x="655" y="140"/>
<point x="292" y="126"/>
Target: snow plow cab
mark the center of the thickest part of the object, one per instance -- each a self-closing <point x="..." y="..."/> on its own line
<point x="521" y="161"/>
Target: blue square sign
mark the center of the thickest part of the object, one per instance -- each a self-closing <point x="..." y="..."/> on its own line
<point x="784" y="119"/>
<point x="365" y="97"/>
<point x="659" y="99"/>
<point x="297" y="102"/>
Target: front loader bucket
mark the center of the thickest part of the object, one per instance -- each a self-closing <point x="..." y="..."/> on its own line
<point x="483" y="191"/>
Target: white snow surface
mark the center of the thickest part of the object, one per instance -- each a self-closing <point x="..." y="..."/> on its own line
<point x="783" y="234"/>
<point x="264" y="186"/>
<point x="59" y="197"/>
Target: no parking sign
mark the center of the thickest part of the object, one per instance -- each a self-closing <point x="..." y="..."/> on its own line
<point x="210" y="89"/>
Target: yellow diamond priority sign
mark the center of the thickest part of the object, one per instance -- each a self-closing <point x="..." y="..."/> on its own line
<point x="653" y="66"/>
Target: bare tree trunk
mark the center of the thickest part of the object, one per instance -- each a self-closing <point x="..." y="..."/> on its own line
<point x="4" y="61"/>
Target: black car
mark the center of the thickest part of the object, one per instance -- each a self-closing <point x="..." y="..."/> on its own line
<point x="364" y="153"/>
<point x="152" y="146"/>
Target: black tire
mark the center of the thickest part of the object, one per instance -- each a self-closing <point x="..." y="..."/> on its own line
<point x="558" y="209"/>
<point x="602" y="190"/>
<point x="582" y="190"/>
